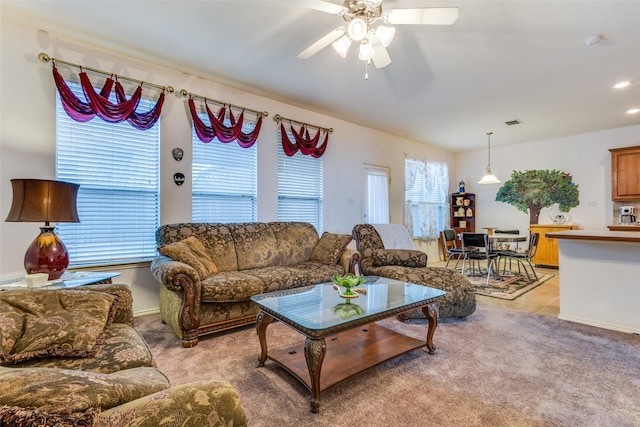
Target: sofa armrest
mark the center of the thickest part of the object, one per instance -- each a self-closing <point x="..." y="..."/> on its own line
<point x="167" y="272"/>
<point x="194" y="404"/>
<point x="349" y="260"/>
<point x="124" y="304"/>
<point x="400" y="257"/>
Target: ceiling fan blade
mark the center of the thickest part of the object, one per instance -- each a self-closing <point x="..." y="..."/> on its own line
<point x="381" y="57"/>
<point x="322" y="43"/>
<point x="427" y="16"/>
<point x="322" y="6"/>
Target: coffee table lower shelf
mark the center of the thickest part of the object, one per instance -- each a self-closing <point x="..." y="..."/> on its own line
<point x="347" y="354"/>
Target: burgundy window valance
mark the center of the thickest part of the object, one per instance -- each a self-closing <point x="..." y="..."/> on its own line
<point x="98" y="104"/>
<point x="303" y="141"/>
<point x="219" y="130"/>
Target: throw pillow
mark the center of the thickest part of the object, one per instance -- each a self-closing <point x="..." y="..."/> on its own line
<point x="400" y="257"/>
<point x="192" y="252"/>
<point x="45" y="323"/>
<point x="33" y="417"/>
<point x="329" y="248"/>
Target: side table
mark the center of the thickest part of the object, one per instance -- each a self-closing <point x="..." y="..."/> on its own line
<point x="71" y="279"/>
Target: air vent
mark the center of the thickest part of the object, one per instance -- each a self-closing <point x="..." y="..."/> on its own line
<point x="513" y="122"/>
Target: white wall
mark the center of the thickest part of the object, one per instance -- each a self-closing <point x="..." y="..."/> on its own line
<point x="27" y="143"/>
<point x="585" y="157"/>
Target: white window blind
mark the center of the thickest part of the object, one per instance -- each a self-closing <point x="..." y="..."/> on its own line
<point x="117" y="167"/>
<point x="426" y="197"/>
<point x="300" y="188"/>
<point x="224" y="183"/>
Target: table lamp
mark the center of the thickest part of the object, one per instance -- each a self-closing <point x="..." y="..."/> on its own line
<point x="39" y="200"/>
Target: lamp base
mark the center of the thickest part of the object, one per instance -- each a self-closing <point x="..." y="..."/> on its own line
<point x="47" y="254"/>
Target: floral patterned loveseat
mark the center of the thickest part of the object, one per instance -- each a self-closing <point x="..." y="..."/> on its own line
<point x="411" y="266"/>
<point x="72" y="357"/>
<point x="209" y="271"/>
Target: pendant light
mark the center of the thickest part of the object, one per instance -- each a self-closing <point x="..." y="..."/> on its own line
<point x="489" y="178"/>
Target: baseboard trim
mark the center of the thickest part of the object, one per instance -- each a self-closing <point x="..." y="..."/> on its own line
<point x="598" y="324"/>
<point x="146" y="312"/>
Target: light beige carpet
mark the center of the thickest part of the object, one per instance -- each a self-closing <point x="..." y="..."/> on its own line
<point x="499" y="367"/>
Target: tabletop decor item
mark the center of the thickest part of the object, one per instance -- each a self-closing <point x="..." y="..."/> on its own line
<point x="42" y="200"/>
<point x="348" y="282"/>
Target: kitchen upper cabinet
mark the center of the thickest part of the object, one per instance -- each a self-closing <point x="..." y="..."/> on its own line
<point x="625" y="173"/>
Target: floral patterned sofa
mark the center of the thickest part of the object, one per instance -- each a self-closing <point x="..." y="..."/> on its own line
<point x="209" y="271"/>
<point x="72" y="357"/>
<point x="411" y="266"/>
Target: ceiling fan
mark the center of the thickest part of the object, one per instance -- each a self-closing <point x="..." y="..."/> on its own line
<point x="370" y="26"/>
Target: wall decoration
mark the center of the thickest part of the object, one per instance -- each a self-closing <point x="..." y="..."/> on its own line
<point x="178" y="178"/>
<point x="177" y="153"/>
<point x="533" y="190"/>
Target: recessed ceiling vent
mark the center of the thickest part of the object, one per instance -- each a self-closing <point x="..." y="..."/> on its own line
<point x="513" y="122"/>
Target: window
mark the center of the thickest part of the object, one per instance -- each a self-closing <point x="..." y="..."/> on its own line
<point x="224" y="185"/>
<point x="300" y="188"/>
<point x="426" y="197"/>
<point x="117" y="167"/>
<point x="376" y="197"/>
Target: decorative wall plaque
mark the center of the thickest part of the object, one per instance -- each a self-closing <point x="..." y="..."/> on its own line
<point x="178" y="178"/>
<point x="178" y="153"/>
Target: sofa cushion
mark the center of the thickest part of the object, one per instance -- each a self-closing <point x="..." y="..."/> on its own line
<point x="256" y="245"/>
<point x="34" y="417"/>
<point x="45" y="323"/>
<point x="295" y="241"/>
<point x="329" y="248"/>
<point x="64" y="391"/>
<point x="191" y="252"/>
<point x="401" y="257"/>
<point x="230" y="286"/>
<point x="310" y="273"/>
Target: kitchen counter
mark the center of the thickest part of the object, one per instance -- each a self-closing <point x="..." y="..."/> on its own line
<point x="619" y="227"/>
<point x="600" y="278"/>
<point x="609" y="236"/>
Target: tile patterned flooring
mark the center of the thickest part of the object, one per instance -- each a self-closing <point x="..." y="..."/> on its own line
<point x="544" y="299"/>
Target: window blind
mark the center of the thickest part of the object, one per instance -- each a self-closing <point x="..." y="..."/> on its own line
<point x="224" y="180"/>
<point x="117" y="167"/>
<point x="300" y="188"/>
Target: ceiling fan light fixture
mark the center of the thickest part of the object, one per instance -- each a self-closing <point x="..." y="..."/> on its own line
<point x="342" y="46"/>
<point x="385" y="34"/>
<point x="366" y="51"/>
<point x="357" y="29"/>
<point x="372" y="4"/>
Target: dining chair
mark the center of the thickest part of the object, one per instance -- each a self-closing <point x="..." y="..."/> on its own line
<point x="522" y="258"/>
<point x="448" y="237"/>
<point x="477" y="250"/>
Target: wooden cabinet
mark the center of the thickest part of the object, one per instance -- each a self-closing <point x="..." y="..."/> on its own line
<point x="463" y="212"/>
<point x="547" y="253"/>
<point x="625" y="173"/>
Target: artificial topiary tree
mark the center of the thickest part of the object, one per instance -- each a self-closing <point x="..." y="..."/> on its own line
<point x="537" y="189"/>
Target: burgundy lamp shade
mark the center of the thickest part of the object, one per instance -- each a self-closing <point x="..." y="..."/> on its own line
<point x="37" y="200"/>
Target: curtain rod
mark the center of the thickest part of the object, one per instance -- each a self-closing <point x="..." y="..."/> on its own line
<point x="185" y="93"/>
<point x="278" y="118"/>
<point x="44" y="58"/>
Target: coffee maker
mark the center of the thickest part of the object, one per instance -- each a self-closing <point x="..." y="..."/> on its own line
<point x="627" y="215"/>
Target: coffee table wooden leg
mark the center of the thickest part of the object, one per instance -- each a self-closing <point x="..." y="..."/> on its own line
<point x="431" y="312"/>
<point x="262" y="321"/>
<point x="314" y="351"/>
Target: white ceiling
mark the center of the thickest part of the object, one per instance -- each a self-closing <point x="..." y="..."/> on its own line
<point x="447" y="85"/>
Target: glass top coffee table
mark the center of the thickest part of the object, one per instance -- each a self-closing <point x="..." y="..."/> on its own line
<point x="342" y="339"/>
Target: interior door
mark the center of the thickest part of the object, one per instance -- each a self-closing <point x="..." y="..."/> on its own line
<point x="376" y="194"/>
